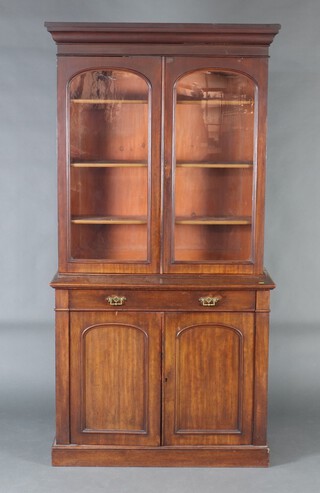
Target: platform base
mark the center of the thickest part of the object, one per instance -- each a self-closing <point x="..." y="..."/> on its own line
<point x="95" y="455"/>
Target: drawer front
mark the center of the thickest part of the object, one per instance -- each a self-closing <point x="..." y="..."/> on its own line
<point x="125" y="299"/>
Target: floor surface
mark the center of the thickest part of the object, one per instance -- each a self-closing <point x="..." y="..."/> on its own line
<point x="27" y="426"/>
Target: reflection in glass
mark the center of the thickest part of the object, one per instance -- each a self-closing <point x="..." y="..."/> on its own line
<point x="109" y="166"/>
<point x="214" y="154"/>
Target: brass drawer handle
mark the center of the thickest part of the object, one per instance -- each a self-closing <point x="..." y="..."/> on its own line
<point x="209" y="300"/>
<point x="115" y="300"/>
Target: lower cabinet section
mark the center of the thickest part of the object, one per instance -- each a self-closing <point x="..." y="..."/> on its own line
<point x="200" y="365"/>
<point x="161" y="387"/>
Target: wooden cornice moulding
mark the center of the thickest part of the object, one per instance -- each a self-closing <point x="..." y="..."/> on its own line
<point x="163" y="33"/>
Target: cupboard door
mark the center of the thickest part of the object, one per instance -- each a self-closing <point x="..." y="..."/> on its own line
<point x="109" y="156"/>
<point x="115" y="378"/>
<point x="208" y="384"/>
<point x="212" y="155"/>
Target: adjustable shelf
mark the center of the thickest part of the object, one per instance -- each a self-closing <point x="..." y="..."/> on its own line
<point x="215" y="221"/>
<point x="97" y="164"/>
<point x="216" y="102"/>
<point x="109" y="101"/>
<point x="215" y="165"/>
<point x="109" y="220"/>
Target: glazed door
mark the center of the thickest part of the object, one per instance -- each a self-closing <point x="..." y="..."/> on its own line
<point x="109" y="164"/>
<point x="212" y="160"/>
<point x="208" y="379"/>
<point x="115" y="378"/>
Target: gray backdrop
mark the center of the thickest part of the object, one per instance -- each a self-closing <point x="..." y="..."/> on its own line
<point x="29" y="244"/>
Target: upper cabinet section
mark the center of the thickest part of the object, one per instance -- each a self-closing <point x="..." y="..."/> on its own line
<point x="161" y="147"/>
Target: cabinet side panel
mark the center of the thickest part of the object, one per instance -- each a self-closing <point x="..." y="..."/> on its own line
<point x="261" y="379"/>
<point x="62" y="368"/>
<point x="259" y="192"/>
<point x="63" y="208"/>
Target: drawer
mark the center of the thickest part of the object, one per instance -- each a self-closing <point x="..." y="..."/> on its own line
<point x="162" y="300"/>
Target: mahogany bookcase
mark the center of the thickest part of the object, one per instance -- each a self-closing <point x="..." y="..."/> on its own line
<point x="162" y="300"/>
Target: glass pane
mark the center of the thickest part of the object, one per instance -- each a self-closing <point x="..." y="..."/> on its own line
<point x="109" y="166"/>
<point x="214" y="162"/>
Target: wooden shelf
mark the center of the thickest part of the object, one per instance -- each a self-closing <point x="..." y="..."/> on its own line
<point x="211" y="102"/>
<point x="95" y="164"/>
<point x="215" y="165"/>
<point x="216" y="102"/>
<point x="109" y="220"/>
<point x="109" y="101"/>
<point x="215" y="221"/>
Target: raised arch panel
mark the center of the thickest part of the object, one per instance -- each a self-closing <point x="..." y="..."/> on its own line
<point x="115" y="386"/>
<point x="209" y="374"/>
<point x="115" y="383"/>
<point x="208" y="378"/>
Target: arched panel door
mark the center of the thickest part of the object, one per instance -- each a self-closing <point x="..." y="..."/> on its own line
<point x="115" y="378"/>
<point x="212" y="157"/>
<point x="208" y="383"/>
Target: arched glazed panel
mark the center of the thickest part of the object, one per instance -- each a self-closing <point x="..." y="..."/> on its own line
<point x="214" y="153"/>
<point x="109" y="151"/>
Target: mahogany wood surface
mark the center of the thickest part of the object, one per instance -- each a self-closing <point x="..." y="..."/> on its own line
<point x="62" y="368"/>
<point x="163" y="282"/>
<point x="261" y="368"/>
<point x="157" y="301"/>
<point x="115" y="378"/>
<point x="162" y="300"/>
<point x="208" y="379"/>
<point x="214" y="34"/>
<point x="231" y="456"/>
